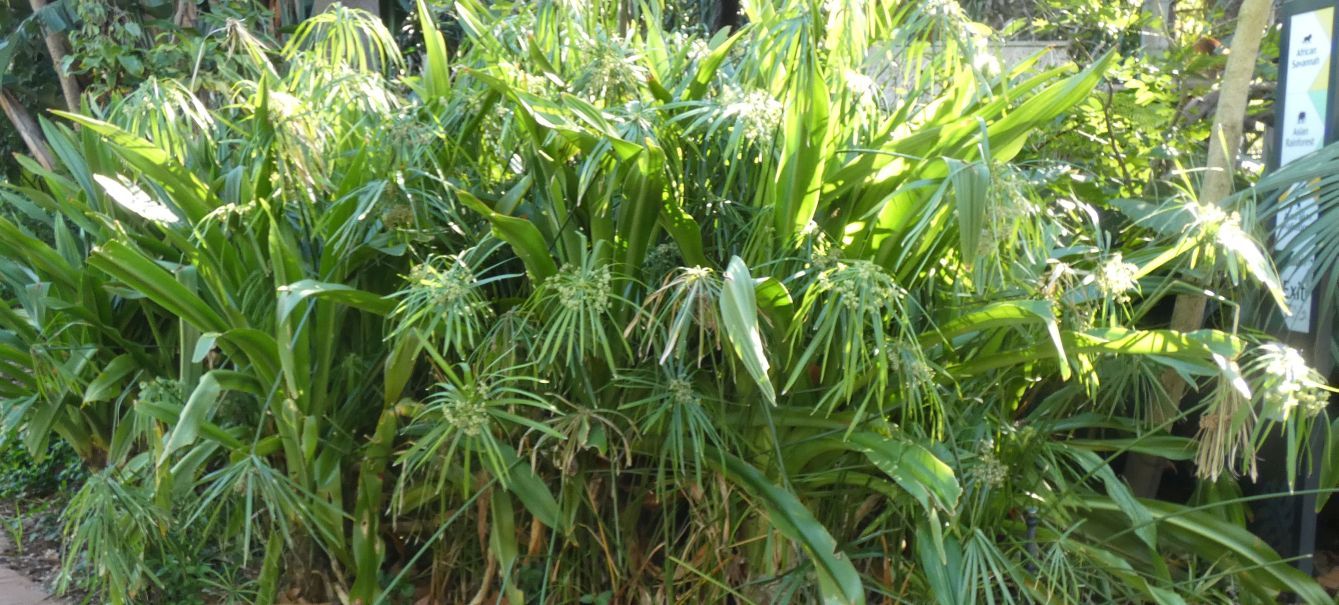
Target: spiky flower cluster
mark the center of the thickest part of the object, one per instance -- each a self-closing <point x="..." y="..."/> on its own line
<point x="681" y="391"/>
<point x="698" y="50"/>
<point x="860" y="286"/>
<point x="613" y="71"/>
<point x="1206" y="215"/>
<point x="1115" y="278"/>
<point x="1225" y="436"/>
<point x="755" y="113"/>
<point x="1217" y="223"/>
<point x="162" y="391"/>
<point x="465" y="410"/>
<point x="583" y="288"/>
<point x="398" y="216"/>
<point x="948" y="9"/>
<point x="1288" y="383"/>
<point x="450" y="288"/>
<point x="523" y="80"/>
<point x="905" y="361"/>
<point x="984" y="59"/>
<point x="987" y="470"/>
<point x="442" y="300"/>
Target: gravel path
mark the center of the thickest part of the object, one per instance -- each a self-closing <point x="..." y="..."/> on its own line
<point x="18" y="590"/>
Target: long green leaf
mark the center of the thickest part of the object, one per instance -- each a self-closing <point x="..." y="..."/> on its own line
<point x="145" y="276"/>
<point x="913" y="467"/>
<point x="524" y="238"/>
<point x="839" y="582"/>
<point x="1213" y="538"/>
<point x="296" y="292"/>
<point x="436" y="67"/>
<point x="739" y="315"/>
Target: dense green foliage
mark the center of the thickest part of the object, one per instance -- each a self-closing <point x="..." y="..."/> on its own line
<point x="24" y="476"/>
<point x="579" y="308"/>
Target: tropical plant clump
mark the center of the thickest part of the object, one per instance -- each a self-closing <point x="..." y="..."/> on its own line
<point x="586" y="310"/>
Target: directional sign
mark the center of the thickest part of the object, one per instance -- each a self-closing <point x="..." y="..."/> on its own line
<point x="1306" y="119"/>
<point x="1304" y="124"/>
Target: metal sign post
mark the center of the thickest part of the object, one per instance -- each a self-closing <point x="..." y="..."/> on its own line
<point x="1306" y="119"/>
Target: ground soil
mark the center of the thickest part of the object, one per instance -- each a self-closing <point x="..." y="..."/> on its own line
<point x="27" y="573"/>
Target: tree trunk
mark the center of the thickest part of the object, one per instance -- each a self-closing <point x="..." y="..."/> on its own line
<point x="1153" y="36"/>
<point x="56" y="45"/>
<point x="371" y="6"/>
<point x="27" y="127"/>
<point x="1144" y="473"/>
<point x="187" y="14"/>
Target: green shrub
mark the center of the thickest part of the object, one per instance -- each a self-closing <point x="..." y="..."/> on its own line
<point x="22" y="477"/>
<point x="592" y="311"/>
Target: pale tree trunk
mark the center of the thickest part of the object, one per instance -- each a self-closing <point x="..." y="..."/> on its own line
<point x="27" y="127"/>
<point x="55" y="44"/>
<point x="1144" y="473"/>
<point x="186" y="15"/>
<point x="371" y="6"/>
<point x="1153" y="37"/>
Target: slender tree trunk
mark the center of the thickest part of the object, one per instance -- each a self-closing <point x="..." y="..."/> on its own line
<point x="1144" y="473"/>
<point x="186" y="15"/>
<point x="56" y="45"/>
<point x="1153" y="36"/>
<point x="27" y="127"/>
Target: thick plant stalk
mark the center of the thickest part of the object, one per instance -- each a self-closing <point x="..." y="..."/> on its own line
<point x="56" y="45"/>
<point x="1144" y="473"/>
<point x="27" y="128"/>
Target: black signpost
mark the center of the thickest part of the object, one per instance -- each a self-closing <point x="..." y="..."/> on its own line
<point x="1306" y="119"/>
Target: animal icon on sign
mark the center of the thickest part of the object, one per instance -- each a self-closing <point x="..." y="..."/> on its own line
<point x="1301" y="117"/>
<point x="1307" y="38"/>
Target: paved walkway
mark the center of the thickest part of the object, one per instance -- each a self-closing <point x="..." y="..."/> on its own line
<point x="18" y="590"/>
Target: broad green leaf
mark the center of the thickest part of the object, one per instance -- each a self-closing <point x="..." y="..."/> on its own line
<point x="685" y="231"/>
<point x="1213" y="538"/>
<point x="109" y="382"/>
<point x="1008" y="134"/>
<point x="1120" y="494"/>
<point x="1170" y="447"/>
<point x="913" y="467"/>
<point x="436" y="67"/>
<point x="1329" y="464"/>
<point x="708" y="65"/>
<point x="130" y="197"/>
<point x="198" y="408"/>
<point x="940" y="557"/>
<point x="971" y="183"/>
<point x="524" y="238"/>
<point x="145" y="276"/>
<point x="839" y="582"/>
<point x="804" y="152"/>
<point x="531" y="490"/>
<point x="183" y="187"/>
<point x="645" y="202"/>
<point x="296" y="292"/>
<point x="15" y="244"/>
<point x="739" y="315"/>
<point x="400" y="366"/>
<point x="1006" y="313"/>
